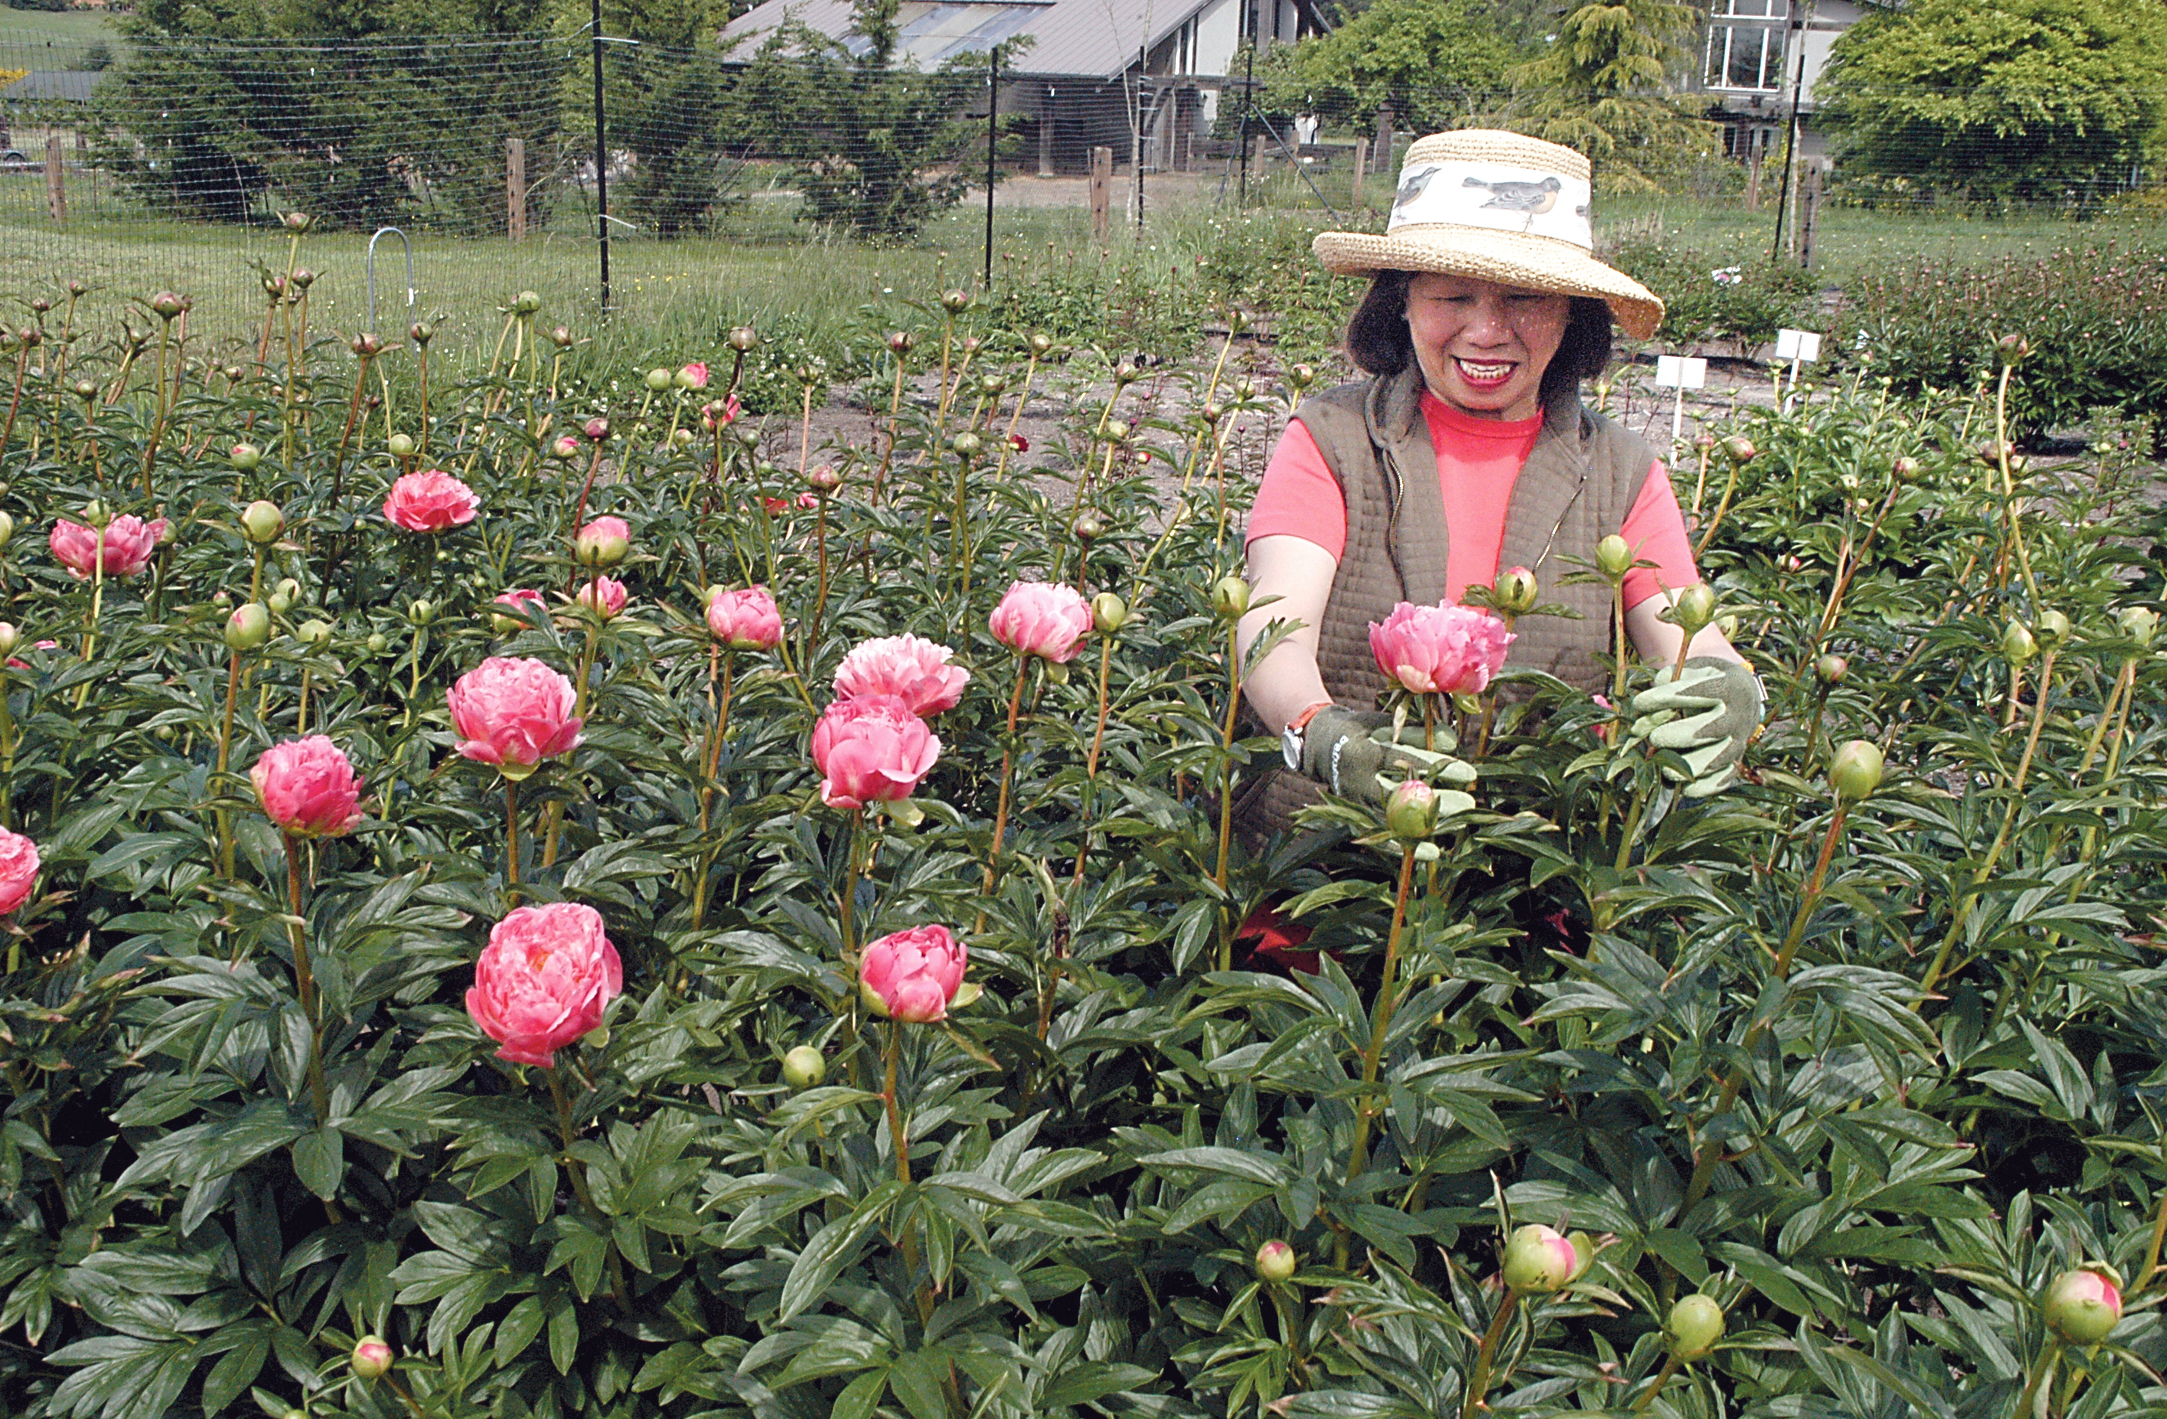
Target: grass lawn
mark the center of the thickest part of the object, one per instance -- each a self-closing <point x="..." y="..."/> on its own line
<point x="22" y="31"/>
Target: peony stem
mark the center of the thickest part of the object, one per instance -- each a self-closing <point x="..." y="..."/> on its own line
<point x="1091" y="759"/>
<point x="2008" y="487"/>
<point x="1008" y="762"/>
<point x="1387" y="1001"/>
<point x="511" y="840"/>
<point x="847" y="907"/>
<point x="225" y="748"/>
<point x="305" y="981"/>
<point x="1670" y="1367"/>
<point x="577" y="1172"/>
<point x="1479" y="1383"/>
<point x="2043" y="1367"/>
<point x="1226" y="777"/>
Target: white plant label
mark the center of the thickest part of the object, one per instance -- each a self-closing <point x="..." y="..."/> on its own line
<point x="1680" y="372"/>
<point x="1798" y="346"/>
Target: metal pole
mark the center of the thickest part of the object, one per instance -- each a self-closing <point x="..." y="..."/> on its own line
<point x="1138" y="151"/>
<point x="993" y="133"/>
<point x="601" y="160"/>
<point x="1249" y="83"/>
<point x="1790" y="137"/>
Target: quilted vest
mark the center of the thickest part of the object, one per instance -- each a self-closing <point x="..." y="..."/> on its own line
<point x="1579" y="482"/>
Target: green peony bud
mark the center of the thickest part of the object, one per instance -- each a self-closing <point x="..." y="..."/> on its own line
<point x="1275" y="1263"/>
<point x="659" y="379"/>
<point x="1230" y="597"/>
<point x="1109" y="613"/>
<point x="313" y="634"/>
<point x="2051" y="627"/>
<point x="400" y="445"/>
<point x="1694" y="1327"/>
<point x="246" y="456"/>
<point x="1410" y="811"/>
<point x="1613" y="558"/>
<point x="262" y="521"/>
<point x="1831" y="668"/>
<point x="1515" y="591"/>
<point x="1855" y="772"/>
<point x="1694" y="609"/>
<point x="248" y="627"/>
<point x="526" y="303"/>
<point x="2136" y="622"/>
<point x="804" y="1067"/>
<point x="1538" y="1260"/>
<point x="2017" y="645"/>
<point x="1739" y="449"/>
<point x="2084" y="1306"/>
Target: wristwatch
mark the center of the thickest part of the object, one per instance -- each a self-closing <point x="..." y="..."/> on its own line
<point x="1290" y="738"/>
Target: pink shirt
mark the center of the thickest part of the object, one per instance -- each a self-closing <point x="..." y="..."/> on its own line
<point x="1478" y="461"/>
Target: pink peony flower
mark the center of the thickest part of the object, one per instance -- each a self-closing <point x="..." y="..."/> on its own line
<point x="521" y="602"/>
<point x="514" y="713"/>
<point x="913" y="975"/>
<point x="603" y="542"/>
<point x="611" y="593"/>
<point x="1440" y="650"/>
<point x="1043" y="619"/>
<point x="915" y="671"/>
<point x="778" y="506"/>
<point x="871" y="749"/>
<point x="719" y="413"/>
<point x="129" y="542"/>
<point x="308" y="788"/>
<point x="18" y="870"/>
<point x="693" y="376"/>
<point x="430" y="501"/>
<point x="745" y="620"/>
<point x="544" y="980"/>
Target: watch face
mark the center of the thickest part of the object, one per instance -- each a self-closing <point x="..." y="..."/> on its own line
<point x="1290" y="746"/>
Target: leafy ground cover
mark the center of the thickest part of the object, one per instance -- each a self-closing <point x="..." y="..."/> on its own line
<point x="1839" y="1088"/>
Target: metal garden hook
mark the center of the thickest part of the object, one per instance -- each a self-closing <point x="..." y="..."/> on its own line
<point x="371" y="265"/>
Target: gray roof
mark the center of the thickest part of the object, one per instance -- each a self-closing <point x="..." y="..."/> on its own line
<point x="1074" y="38"/>
<point x="74" y="85"/>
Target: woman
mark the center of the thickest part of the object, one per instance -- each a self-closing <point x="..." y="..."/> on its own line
<point x="1467" y="450"/>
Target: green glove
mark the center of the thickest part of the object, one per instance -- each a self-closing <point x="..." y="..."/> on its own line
<point x="1707" y="714"/>
<point x="1354" y="754"/>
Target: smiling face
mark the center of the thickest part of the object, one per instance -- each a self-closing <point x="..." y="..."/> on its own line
<point x="1483" y="347"/>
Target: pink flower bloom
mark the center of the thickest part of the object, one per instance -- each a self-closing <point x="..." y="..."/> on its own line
<point x="1440" y="650"/>
<point x="129" y="542"/>
<point x="308" y="788"/>
<point x="430" y="501"/>
<point x="693" y="376"/>
<point x="1043" y="619"/>
<point x="514" y="713"/>
<point x="603" y="542"/>
<point x="745" y="620"/>
<point x="522" y="602"/>
<point x="871" y="749"/>
<point x="544" y="980"/>
<point x="912" y="975"/>
<point x="915" y="671"/>
<point x="783" y="505"/>
<point x="18" y="870"/>
<point x="719" y="413"/>
<point x="612" y="596"/>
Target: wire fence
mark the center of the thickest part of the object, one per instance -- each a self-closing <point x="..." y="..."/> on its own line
<point x="454" y="171"/>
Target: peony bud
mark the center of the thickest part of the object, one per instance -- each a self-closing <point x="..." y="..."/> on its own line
<point x="566" y="447"/>
<point x="1302" y="376"/>
<point x="377" y="643"/>
<point x="1905" y="470"/>
<point x="372" y="1357"/>
<point x="9" y="639"/>
<point x="596" y="430"/>
<point x="86" y="390"/>
<point x="1739" y="449"/>
<point x="1830" y="669"/>
<point x="248" y="627"/>
<point x="2017" y="645"/>
<point x="283" y="596"/>
<point x="296" y="222"/>
<point x="526" y="303"/>
<point x="400" y="445"/>
<point x="1230" y="597"/>
<point x="804" y="1067"/>
<point x="303" y="277"/>
<point x="1087" y="528"/>
<point x="2084" y="1306"/>
<point x="262" y="521"/>
<point x="1694" y="608"/>
<point x="658" y="380"/>
<point x="246" y="456"/>
<point x="1410" y="812"/>
<point x="1694" y="1327"/>
<point x="742" y="338"/>
<point x="2136" y="622"/>
<point x="367" y="345"/>
<point x="1109" y="613"/>
<point x="313" y="634"/>
<point x="824" y="480"/>
<point x="1537" y="1259"/>
<point x="900" y="342"/>
<point x="421" y="332"/>
<point x="955" y="302"/>
<point x="967" y="444"/>
<point x="1117" y="430"/>
<point x="168" y="306"/>
<point x="1275" y="1263"/>
<point x="7" y="529"/>
<point x="2051" y="627"/>
<point x="1613" y="558"/>
<point x="560" y="336"/>
<point x="421" y="612"/>
<point x="1514" y="592"/>
<point x="1855" y="772"/>
<point x="1041" y="343"/>
<point x="604" y="542"/>
<point x="1125" y="373"/>
<point x="2011" y="349"/>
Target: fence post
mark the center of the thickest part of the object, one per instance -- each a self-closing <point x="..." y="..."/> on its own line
<point x="515" y="188"/>
<point x="1753" y="180"/>
<point x="1354" y="184"/>
<point x="1809" y="212"/>
<point x="56" y="194"/>
<point x="1102" y="182"/>
<point x="1257" y="149"/>
<point x="1383" y="154"/>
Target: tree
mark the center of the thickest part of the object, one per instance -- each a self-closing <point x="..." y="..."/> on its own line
<point x="2018" y="99"/>
<point x="1603" y="86"/>
<point x="667" y="98"/>
<point x="1435" y="61"/>
<point x="874" y="147"/>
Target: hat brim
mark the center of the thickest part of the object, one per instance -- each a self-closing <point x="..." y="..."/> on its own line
<point x="1536" y="263"/>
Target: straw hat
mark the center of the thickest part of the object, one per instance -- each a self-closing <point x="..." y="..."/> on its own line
<point x="1498" y="207"/>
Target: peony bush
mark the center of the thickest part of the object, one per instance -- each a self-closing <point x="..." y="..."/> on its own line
<point x="665" y="917"/>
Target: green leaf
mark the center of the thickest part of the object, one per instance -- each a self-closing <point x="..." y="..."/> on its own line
<point x="917" y="1379"/>
<point x="829" y="1250"/>
<point x="1092" y="1381"/>
<point x="319" y="1161"/>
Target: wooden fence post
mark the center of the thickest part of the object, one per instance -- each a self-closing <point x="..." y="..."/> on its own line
<point x="515" y="188"/>
<point x="1361" y="166"/>
<point x="1102" y="182"/>
<point x="1753" y="181"/>
<point x="56" y="193"/>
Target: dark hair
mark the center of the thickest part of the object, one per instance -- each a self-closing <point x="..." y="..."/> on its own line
<point x="1378" y="341"/>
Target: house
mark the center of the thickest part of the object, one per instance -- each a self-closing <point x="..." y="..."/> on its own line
<point x="42" y="104"/>
<point x="1751" y="65"/>
<point x="1143" y="77"/>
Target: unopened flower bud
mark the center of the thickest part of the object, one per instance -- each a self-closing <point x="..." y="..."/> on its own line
<point x="955" y="302"/>
<point x="1905" y="470"/>
<point x="1515" y="591"/>
<point x="1109" y="613"/>
<point x="2011" y="349"/>
<point x="900" y="342"/>
<point x="1211" y="413"/>
<point x="421" y="332"/>
<point x="1613" y="558"/>
<point x="1538" y="1260"/>
<point x="297" y="222"/>
<point x="2017" y="644"/>
<point x="262" y="521"/>
<point x="1117" y="430"/>
<point x="596" y="430"/>
<point x="2136" y="622"/>
<point x="967" y="444"/>
<point x="1410" y="811"/>
<point x="560" y="336"/>
<point x="2083" y="1307"/>
<point x="246" y="456"/>
<point x="367" y="345"/>
<point x="284" y="595"/>
<point x="7" y="529"/>
<point x="1230" y="597"/>
<point x="400" y="445"/>
<point x="248" y="627"/>
<point x="9" y="639"/>
<point x="1302" y="376"/>
<point x="303" y="277"/>
<point x="95" y="514"/>
<point x="168" y="306"/>
<point x="1275" y="1263"/>
<point x="1830" y="668"/>
<point x="422" y="612"/>
<point x="2051" y="628"/>
<point x="377" y="643"/>
<point x="86" y="390"/>
<point x="1041" y="343"/>
<point x="565" y="446"/>
<point x="991" y="384"/>
<point x="1740" y="449"/>
<point x="804" y="1067"/>
<point x="601" y="543"/>
<point x="1694" y="1327"/>
<point x="742" y="338"/>
<point x="1694" y="608"/>
<point x="1087" y="528"/>
<point x="659" y="379"/>
<point x="1855" y="771"/>
<point x="372" y="1357"/>
<point x="824" y="480"/>
<point x="526" y="303"/>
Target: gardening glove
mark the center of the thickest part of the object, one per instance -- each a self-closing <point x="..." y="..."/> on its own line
<point x="1706" y="714"/>
<point x="1354" y="753"/>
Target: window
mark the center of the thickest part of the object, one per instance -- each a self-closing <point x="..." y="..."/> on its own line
<point x="1752" y="9"/>
<point x="1746" y="56"/>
